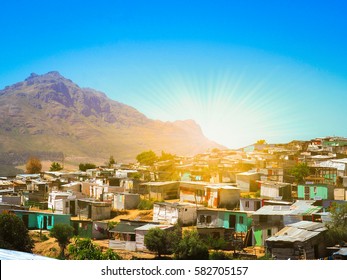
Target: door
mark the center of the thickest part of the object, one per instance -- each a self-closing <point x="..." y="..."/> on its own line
<point x="232" y="221"/>
<point x="44" y="222"/>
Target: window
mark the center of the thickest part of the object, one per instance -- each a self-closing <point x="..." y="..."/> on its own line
<point x="240" y="220"/>
<point x="208" y="219"/>
<point x="66" y="204"/>
<point x="247" y="204"/>
<point x="269" y="232"/>
<point x="202" y="219"/>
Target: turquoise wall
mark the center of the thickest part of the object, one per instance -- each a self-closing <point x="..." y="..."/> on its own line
<point x="243" y="222"/>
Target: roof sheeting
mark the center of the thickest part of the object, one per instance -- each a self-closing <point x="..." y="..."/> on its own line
<point x="17" y="255"/>
<point x="298" y="232"/>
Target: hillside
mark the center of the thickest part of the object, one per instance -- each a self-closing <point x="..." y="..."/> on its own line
<point x="49" y="113"/>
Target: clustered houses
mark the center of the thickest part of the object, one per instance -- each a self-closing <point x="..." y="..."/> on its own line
<point x="248" y="195"/>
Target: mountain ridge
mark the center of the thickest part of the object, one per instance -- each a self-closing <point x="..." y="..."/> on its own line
<point x="51" y="113"/>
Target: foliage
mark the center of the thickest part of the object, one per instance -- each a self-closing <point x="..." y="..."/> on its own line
<point x="85" y="249"/>
<point x="191" y="247"/>
<point x="145" y="204"/>
<point x="216" y="243"/>
<point x="33" y="165"/>
<point x="166" y="156"/>
<point x="163" y="241"/>
<point x="85" y="166"/>
<point x="300" y="171"/>
<point x="261" y="142"/>
<point x="55" y="166"/>
<point x="13" y="233"/>
<point x="62" y="233"/>
<point x="220" y="255"/>
<point x="156" y="241"/>
<point x="111" y="161"/>
<point x="147" y="158"/>
<point x="337" y="228"/>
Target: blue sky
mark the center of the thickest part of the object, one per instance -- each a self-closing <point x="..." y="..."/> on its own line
<point x="243" y="70"/>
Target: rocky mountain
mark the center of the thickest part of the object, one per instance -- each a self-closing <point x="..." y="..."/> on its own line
<point x="49" y="113"/>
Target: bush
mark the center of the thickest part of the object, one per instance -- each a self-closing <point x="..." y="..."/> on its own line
<point x="220" y="255"/>
<point x="85" y="249"/>
<point x="191" y="247"/>
<point x="145" y="204"/>
<point x="13" y="234"/>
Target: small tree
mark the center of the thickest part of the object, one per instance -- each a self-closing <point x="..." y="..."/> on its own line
<point x="62" y="233"/>
<point x="55" y="166"/>
<point x="337" y="227"/>
<point x="111" y="161"/>
<point x="13" y="234"/>
<point x="33" y="165"/>
<point x="84" y="249"/>
<point x="85" y="166"/>
<point x="300" y="172"/>
<point x="147" y="158"/>
<point x="156" y="241"/>
<point x="191" y="247"/>
<point x="163" y="242"/>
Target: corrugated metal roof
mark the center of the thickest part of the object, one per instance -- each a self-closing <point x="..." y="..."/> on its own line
<point x="298" y="208"/>
<point x="342" y="252"/>
<point x="149" y="226"/>
<point x="17" y="255"/>
<point x="300" y="231"/>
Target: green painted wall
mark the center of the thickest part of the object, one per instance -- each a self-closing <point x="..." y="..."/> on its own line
<point x="315" y="190"/>
<point x="242" y="221"/>
<point x="258" y="235"/>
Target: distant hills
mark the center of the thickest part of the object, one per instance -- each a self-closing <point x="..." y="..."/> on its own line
<point x="52" y="115"/>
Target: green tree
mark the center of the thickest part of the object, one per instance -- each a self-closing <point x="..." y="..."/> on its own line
<point x="337" y="227"/>
<point x="33" y="165"/>
<point x="13" y="233"/>
<point x="166" y="156"/>
<point x="85" y="249"/>
<point x="300" y="171"/>
<point x="85" y="166"/>
<point x="147" y="158"/>
<point x="55" y="166"/>
<point x="111" y="161"/>
<point x="261" y="142"/>
<point x="163" y="242"/>
<point x="156" y="241"/>
<point x="191" y="247"/>
<point x="62" y="233"/>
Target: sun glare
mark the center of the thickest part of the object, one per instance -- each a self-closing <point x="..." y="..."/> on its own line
<point x="230" y="109"/>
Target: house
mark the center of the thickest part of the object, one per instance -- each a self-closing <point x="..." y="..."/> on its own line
<point x="247" y="181"/>
<point x="211" y="195"/>
<point x="123" y="236"/>
<point x="250" y="204"/>
<point x="41" y="220"/>
<point x="239" y="221"/>
<point x="275" y="190"/>
<point x="340" y="193"/>
<point x="162" y="190"/>
<point x="90" y="229"/>
<point x="62" y="202"/>
<point x="94" y="210"/>
<point x="125" y="201"/>
<point x="315" y="191"/>
<point x="231" y="226"/>
<point x="269" y="219"/>
<point x="141" y="231"/>
<point x="172" y="213"/>
<point x="301" y="240"/>
<point x="10" y="198"/>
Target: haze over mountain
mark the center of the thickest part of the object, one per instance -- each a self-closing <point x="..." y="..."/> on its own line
<point x="49" y="113"/>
